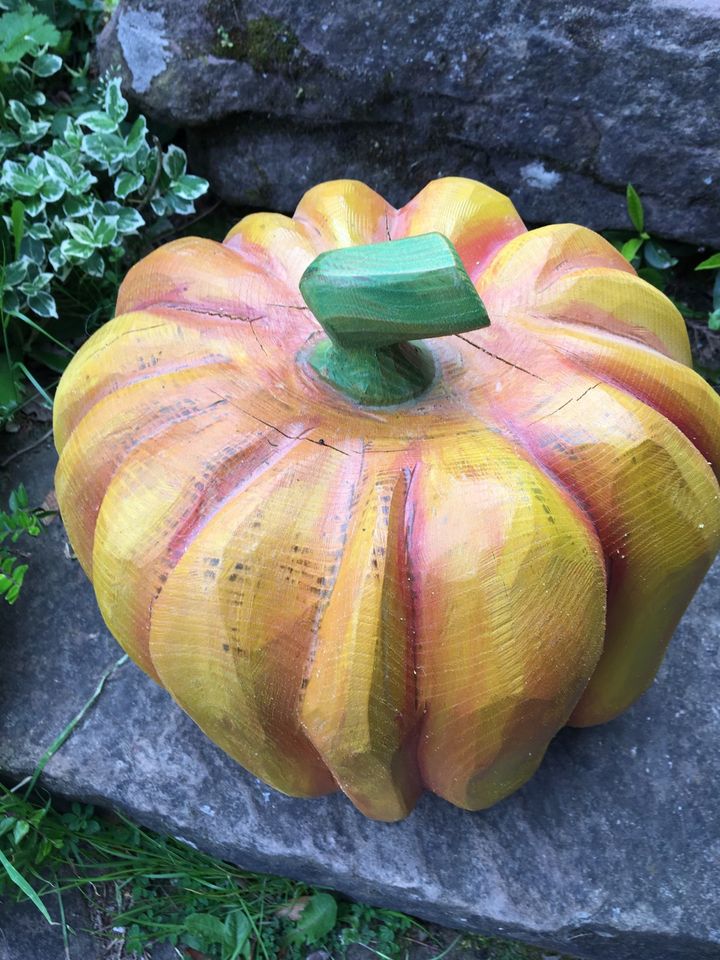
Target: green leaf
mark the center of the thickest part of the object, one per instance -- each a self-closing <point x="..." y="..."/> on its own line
<point x="26" y="180"/>
<point x="205" y="926"/>
<point x="59" y="167"/>
<point x="16" y="877"/>
<point x="98" y="121"/>
<point x="108" y="149"/>
<point x="73" y="249"/>
<point x="9" y="139"/>
<point x="237" y="931"/>
<point x="17" y="215"/>
<point x="657" y="256"/>
<point x="176" y="204"/>
<point x="23" y="31"/>
<point x="712" y="263"/>
<point x="714" y="320"/>
<point x="104" y="231"/>
<point x="135" y="140"/>
<point x="129" y="220"/>
<point x="22" y="827"/>
<point x="116" y="105"/>
<point x="42" y="304"/>
<point x="82" y="233"/>
<point x="46" y="65"/>
<point x="127" y="183"/>
<point x="52" y="190"/>
<point x="653" y="276"/>
<point x="94" y="265"/>
<point x="174" y="162"/>
<point x="56" y="258"/>
<point x="19" y="112"/>
<point x="629" y="250"/>
<point x="189" y="187"/>
<point x="14" y="273"/>
<point x="77" y="206"/>
<point x="635" y="208"/>
<point x="317" y="919"/>
<point x="34" y="131"/>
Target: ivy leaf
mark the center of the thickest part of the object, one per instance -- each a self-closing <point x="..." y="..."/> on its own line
<point x="189" y="187"/>
<point x="46" y="65"/>
<point x="129" y="220"/>
<point x="104" y="231"/>
<point x="43" y="304"/>
<point x="105" y="148"/>
<point x="97" y="121"/>
<point x="94" y="265"/>
<point x="19" y="112"/>
<point x="34" y="130"/>
<point x="135" y="140"/>
<point x="174" y="162"/>
<point x="72" y="249"/>
<point x="82" y="233"/>
<point x="9" y="139"/>
<point x="127" y="183"/>
<point x="116" y="106"/>
<point x="52" y="190"/>
<point x="26" y="180"/>
<point x="635" y="208"/>
<point x="176" y="204"/>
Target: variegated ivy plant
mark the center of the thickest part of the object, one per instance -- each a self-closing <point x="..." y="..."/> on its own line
<point x="81" y="184"/>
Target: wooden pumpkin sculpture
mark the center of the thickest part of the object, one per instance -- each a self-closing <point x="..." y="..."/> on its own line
<point x="365" y="562"/>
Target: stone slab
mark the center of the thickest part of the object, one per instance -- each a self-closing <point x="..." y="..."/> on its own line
<point x="558" y="104"/>
<point x="611" y="852"/>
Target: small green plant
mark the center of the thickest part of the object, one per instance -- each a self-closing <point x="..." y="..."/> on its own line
<point x="17" y="522"/>
<point x="650" y="258"/>
<point x="713" y="263"/>
<point x="84" y="189"/>
<point x="224" y="39"/>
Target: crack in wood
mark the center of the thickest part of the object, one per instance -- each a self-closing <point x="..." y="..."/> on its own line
<point x="501" y="359"/>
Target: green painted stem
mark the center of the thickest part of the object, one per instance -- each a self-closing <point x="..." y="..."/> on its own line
<point x="374" y="301"/>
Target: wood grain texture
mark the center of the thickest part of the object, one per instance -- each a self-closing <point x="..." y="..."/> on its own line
<point x="391" y="599"/>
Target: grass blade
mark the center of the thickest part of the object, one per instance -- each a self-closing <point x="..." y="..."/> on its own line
<point x="22" y="883"/>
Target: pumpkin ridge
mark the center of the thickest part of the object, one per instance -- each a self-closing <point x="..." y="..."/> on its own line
<point x="108" y="390"/>
<point x="627" y="565"/>
<point x="251" y="630"/>
<point x="145" y="438"/>
<point x="358" y="706"/>
<point x="193" y="518"/>
<point x="655" y="403"/>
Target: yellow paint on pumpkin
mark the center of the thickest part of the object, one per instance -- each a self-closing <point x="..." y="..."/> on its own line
<point x="509" y="591"/>
<point x="359" y="705"/>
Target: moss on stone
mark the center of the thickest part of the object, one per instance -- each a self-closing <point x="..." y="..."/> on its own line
<point x="264" y="42"/>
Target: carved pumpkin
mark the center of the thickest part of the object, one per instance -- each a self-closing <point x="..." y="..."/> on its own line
<point x="380" y="596"/>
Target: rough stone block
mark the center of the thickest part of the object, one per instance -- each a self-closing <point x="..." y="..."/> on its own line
<point x="557" y="104"/>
